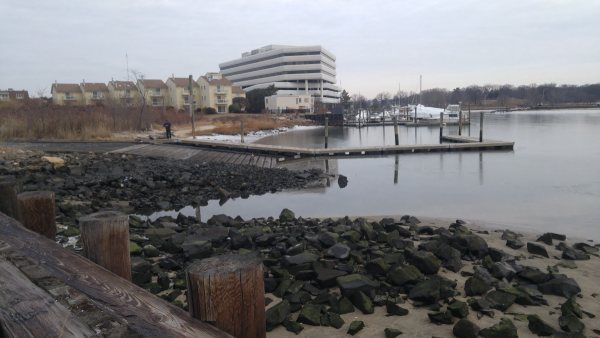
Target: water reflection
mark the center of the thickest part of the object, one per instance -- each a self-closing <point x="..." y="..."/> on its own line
<point x="396" y="157"/>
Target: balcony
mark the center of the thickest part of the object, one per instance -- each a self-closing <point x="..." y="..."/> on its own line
<point x="220" y="101"/>
<point x="187" y="92"/>
<point x="155" y="94"/>
<point x="4" y="97"/>
<point x="69" y="98"/>
<point x="97" y="97"/>
<point x="221" y="91"/>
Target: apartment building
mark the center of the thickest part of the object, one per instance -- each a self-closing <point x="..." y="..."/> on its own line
<point x="179" y="93"/>
<point x="237" y="91"/>
<point x="279" y="103"/>
<point x="13" y="95"/>
<point x="292" y="69"/>
<point x="124" y="91"/>
<point x="215" y="92"/>
<point x="156" y="91"/>
<point x="66" y="94"/>
<point x="93" y="93"/>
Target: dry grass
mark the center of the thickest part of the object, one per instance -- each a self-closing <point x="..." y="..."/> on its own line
<point x="230" y="124"/>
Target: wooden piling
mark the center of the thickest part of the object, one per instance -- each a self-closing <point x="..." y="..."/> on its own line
<point x="242" y="132"/>
<point x="396" y="129"/>
<point x="9" y="189"/>
<point x="228" y="292"/>
<point x="460" y="123"/>
<point x="481" y="127"/>
<point x="326" y="131"/>
<point x="191" y="102"/>
<point x="105" y="237"/>
<point x="441" y="126"/>
<point x="37" y="212"/>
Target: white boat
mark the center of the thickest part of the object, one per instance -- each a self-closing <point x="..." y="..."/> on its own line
<point x="432" y="114"/>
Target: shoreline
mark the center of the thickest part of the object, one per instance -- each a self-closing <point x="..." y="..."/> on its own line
<point x="253" y="136"/>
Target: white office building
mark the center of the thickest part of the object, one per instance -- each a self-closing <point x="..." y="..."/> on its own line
<point x="293" y="70"/>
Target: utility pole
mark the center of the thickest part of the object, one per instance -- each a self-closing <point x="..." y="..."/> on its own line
<point x="191" y="103"/>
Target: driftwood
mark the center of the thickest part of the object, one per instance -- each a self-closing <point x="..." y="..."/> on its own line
<point x="229" y="292"/>
<point x="145" y="313"/>
<point x="37" y="212"/>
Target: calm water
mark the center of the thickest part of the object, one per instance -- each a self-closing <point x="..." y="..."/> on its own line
<point x="550" y="182"/>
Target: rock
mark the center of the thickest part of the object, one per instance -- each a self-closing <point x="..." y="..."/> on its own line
<point x="164" y="205"/>
<point x="525" y="295"/>
<point x="342" y="307"/>
<point x="286" y="215"/>
<point x="355" y="326"/>
<point x="328" y="277"/>
<point x="465" y="328"/>
<point x="394" y="309"/>
<point x="243" y="241"/>
<point x="282" y="288"/>
<point x="537" y="249"/>
<point x="310" y="314"/>
<point x="515" y="243"/>
<point x="403" y="275"/>
<point x="479" y="304"/>
<point x="342" y="181"/>
<point x="134" y="249"/>
<point x="294" y="327"/>
<point x="377" y="267"/>
<point x="569" y="264"/>
<point x="475" y="286"/>
<point x="391" y="333"/>
<point x="277" y="314"/>
<point x="505" y="329"/>
<point x="586" y="248"/>
<point x="303" y="258"/>
<point x="363" y="303"/>
<point x="151" y="251"/>
<point x="335" y="320"/>
<point x="571" y="307"/>
<point x="539" y="327"/>
<point x="500" y="300"/>
<point x="545" y="238"/>
<point x="351" y="284"/>
<point x="70" y="232"/>
<point x="458" y="309"/>
<point x="196" y="247"/>
<point x="570" y="323"/>
<point x="534" y="275"/>
<point x="574" y="254"/>
<point x="564" y="287"/>
<point x="426" y="262"/>
<point x="218" y="219"/>
<point x="503" y="270"/>
<point x="53" y="160"/>
<point x="328" y="238"/>
<point x="339" y="251"/>
<point x="474" y="244"/>
<point x="441" y="317"/>
<point x="295" y="249"/>
<point x="427" y="291"/>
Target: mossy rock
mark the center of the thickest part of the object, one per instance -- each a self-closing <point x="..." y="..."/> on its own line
<point x="391" y="333"/>
<point x="355" y="327"/>
<point x="335" y="320"/>
<point x="363" y="303"/>
<point x="571" y="307"/>
<point x="393" y="309"/>
<point x="294" y="327"/>
<point x="570" y="323"/>
<point x="134" y="249"/>
<point x="310" y="314"/>
<point x="465" y="328"/>
<point x="180" y="284"/>
<point x="70" y="232"/>
<point x="441" y="317"/>
<point x="153" y="288"/>
<point x="459" y="309"/>
<point x="342" y="307"/>
<point x="539" y="327"/>
<point x="177" y="303"/>
<point x="505" y="329"/>
<point x="277" y="314"/>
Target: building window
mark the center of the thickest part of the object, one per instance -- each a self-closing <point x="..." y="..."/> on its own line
<point x="128" y="91"/>
<point x="4" y="97"/>
<point x="157" y="90"/>
<point x="221" y="109"/>
<point x="20" y="95"/>
<point x="155" y="101"/>
<point x="267" y="100"/>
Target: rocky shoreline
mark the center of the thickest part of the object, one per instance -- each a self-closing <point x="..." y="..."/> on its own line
<point x="370" y="277"/>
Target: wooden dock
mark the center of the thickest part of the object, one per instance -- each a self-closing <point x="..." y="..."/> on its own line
<point x="172" y="151"/>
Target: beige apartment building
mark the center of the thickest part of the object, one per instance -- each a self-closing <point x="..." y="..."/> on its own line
<point x="13" y="95"/>
<point x="124" y="91"/>
<point x="237" y="91"/>
<point x="284" y="102"/>
<point x="66" y="94"/>
<point x="93" y="93"/>
<point x="179" y="91"/>
<point x="215" y="92"/>
<point x="156" y="91"/>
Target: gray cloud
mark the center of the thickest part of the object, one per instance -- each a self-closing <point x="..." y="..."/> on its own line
<point x="379" y="44"/>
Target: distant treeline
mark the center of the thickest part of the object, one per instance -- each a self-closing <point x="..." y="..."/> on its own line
<point x="490" y="95"/>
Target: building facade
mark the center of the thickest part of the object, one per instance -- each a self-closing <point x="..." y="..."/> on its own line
<point x="293" y="70"/>
<point x="215" y="92"/>
<point x="280" y="103"/>
<point x="13" y="95"/>
<point x="123" y="91"/>
<point x="66" y="94"/>
<point x="93" y="93"/>
<point x="179" y="91"/>
<point x="155" y="91"/>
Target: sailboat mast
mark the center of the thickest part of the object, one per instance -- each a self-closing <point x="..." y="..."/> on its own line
<point x="420" y="87"/>
<point x="127" y="61"/>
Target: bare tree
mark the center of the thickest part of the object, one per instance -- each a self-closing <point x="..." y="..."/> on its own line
<point x="143" y="93"/>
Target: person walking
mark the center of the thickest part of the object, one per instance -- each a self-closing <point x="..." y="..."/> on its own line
<point x="167" y="126"/>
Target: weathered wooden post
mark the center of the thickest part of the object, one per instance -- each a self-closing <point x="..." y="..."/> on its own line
<point x="441" y="126"/>
<point x="37" y="212"/>
<point x="228" y="291"/>
<point x="460" y="123"/>
<point x="396" y="129"/>
<point x="9" y="189"/>
<point x="105" y="237"/>
<point x="481" y="127"/>
<point x="191" y="102"/>
<point x="326" y="131"/>
<point x="242" y="133"/>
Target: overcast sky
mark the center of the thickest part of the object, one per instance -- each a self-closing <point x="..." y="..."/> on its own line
<point x="378" y="44"/>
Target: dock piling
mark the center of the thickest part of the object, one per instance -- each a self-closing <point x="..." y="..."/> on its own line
<point x="105" y="237"/>
<point x="242" y="132"/>
<point x="326" y="131"/>
<point x="396" y="128"/>
<point x="460" y="123"/>
<point x="9" y="189"/>
<point x="481" y="127"/>
<point x="37" y="212"/>
<point x="441" y="126"/>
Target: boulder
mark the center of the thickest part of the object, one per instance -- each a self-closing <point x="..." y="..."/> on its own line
<point x="243" y="241"/>
<point x="564" y="287"/>
<point x="363" y="303"/>
<point x="537" y="249"/>
<point x="539" y="327"/>
<point x="533" y="275"/>
<point x="525" y="295"/>
<point x="571" y="307"/>
<point x="277" y="314"/>
<point x="310" y="314"/>
<point x="476" y="245"/>
<point x="441" y="317"/>
<point x="328" y="238"/>
<point x="570" y="323"/>
<point x="391" y="333"/>
<point x="500" y="300"/>
<point x="377" y="267"/>
<point x="216" y="234"/>
<point x="342" y="307"/>
<point x="355" y="327"/>
<point x="475" y="286"/>
<point x="465" y="328"/>
<point x="427" y="291"/>
<point x="545" y="238"/>
<point x="335" y="320"/>
<point x="505" y="329"/>
<point x="515" y="243"/>
<point x="574" y="254"/>
<point x="458" y="309"/>
<point x="426" y="262"/>
<point x="303" y="258"/>
<point x="342" y="181"/>
<point x="196" y="247"/>
<point x="351" y="284"/>
<point x="394" y="309"/>
<point x="339" y="251"/>
<point x="294" y="327"/>
<point x="403" y="275"/>
<point x="328" y="277"/>
<point x="286" y="215"/>
<point x="503" y="270"/>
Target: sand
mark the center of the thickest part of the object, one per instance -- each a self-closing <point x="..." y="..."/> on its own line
<point x="417" y="323"/>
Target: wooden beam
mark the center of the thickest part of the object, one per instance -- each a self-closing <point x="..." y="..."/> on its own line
<point x="27" y="311"/>
<point x="145" y="313"/>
